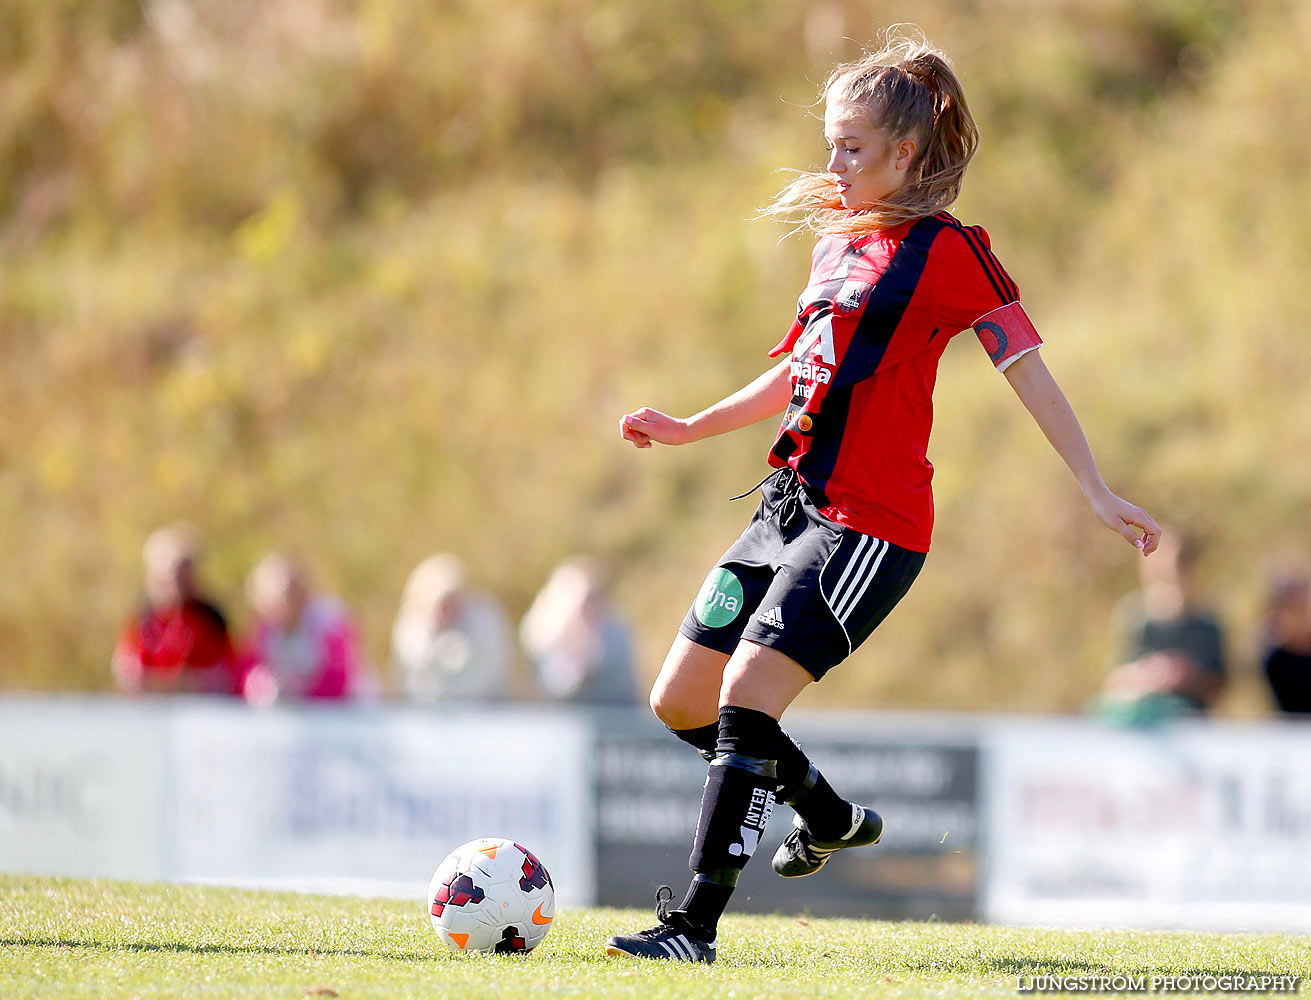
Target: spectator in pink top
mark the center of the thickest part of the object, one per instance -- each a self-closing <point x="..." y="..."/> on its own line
<point x="303" y="645"/>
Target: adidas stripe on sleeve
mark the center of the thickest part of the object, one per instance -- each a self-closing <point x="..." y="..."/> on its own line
<point x="976" y="292"/>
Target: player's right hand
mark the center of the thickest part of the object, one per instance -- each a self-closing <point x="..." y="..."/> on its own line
<point x="1130" y="520"/>
<point x="646" y="426"/>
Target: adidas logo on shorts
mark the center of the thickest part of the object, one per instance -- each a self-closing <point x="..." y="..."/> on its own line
<point x="774" y="618"/>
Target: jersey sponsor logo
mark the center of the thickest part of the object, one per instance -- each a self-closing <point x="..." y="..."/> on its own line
<point x="818" y="340"/>
<point x="814" y="357"/>
<point x="805" y="371"/>
<point x="799" y="420"/>
<point x="772" y="618"/>
<point x="720" y="599"/>
<point x="805" y="389"/>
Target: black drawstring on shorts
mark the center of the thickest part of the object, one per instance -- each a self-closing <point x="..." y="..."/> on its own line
<point x="771" y="475"/>
<point x="788" y="505"/>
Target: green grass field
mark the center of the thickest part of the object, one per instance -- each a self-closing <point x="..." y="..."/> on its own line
<point x="81" y="938"/>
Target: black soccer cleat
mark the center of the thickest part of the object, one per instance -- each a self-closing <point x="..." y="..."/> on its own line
<point x="801" y="854"/>
<point x="674" y="937"/>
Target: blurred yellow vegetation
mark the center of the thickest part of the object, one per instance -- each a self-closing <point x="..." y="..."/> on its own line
<point x="375" y="279"/>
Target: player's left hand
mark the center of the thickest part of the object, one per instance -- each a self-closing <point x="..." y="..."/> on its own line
<point x="1132" y="522"/>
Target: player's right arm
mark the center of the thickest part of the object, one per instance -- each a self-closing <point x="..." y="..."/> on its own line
<point x="766" y="396"/>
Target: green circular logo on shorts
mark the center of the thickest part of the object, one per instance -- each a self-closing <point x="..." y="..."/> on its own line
<point x="720" y="599"/>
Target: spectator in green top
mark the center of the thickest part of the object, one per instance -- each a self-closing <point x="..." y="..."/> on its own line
<point x="1169" y="645"/>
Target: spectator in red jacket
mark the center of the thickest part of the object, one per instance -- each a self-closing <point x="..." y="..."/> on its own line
<point x="303" y="644"/>
<point x="179" y="641"/>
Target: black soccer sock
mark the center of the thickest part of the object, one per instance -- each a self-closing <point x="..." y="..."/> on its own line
<point x="827" y="814"/>
<point x="704" y="904"/>
<point x="703" y="738"/>
<point x="735" y="807"/>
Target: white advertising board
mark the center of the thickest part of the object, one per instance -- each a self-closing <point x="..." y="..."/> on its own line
<point x="81" y="788"/>
<point x="1194" y="825"/>
<point x="370" y="800"/>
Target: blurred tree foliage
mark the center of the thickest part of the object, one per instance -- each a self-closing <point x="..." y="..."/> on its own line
<point x="373" y="279"/>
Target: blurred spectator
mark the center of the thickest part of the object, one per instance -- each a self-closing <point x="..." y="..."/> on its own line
<point x="303" y="645"/>
<point x="580" y="647"/>
<point x="1287" y="655"/>
<point x="450" y="641"/>
<point x="1171" y="650"/>
<point x="179" y="641"/>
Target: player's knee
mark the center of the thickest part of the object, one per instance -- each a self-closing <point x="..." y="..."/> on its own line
<point x="657" y="703"/>
<point x="666" y="710"/>
<point x="672" y="710"/>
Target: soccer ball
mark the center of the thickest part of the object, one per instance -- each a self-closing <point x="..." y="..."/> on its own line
<point x="491" y="895"/>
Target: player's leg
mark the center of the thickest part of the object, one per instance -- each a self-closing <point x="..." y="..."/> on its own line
<point x="833" y="590"/>
<point x="861" y="580"/>
<point x="735" y="805"/>
<point x="759" y="684"/>
<point x="763" y="680"/>
<point x="830" y="589"/>
<point x="685" y="696"/>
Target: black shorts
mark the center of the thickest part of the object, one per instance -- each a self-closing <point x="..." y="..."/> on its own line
<point x="799" y="583"/>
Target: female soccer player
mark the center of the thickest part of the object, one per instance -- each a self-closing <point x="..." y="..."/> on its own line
<point x="844" y="524"/>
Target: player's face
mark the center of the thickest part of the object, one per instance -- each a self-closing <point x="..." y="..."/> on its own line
<point x="868" y="165"/>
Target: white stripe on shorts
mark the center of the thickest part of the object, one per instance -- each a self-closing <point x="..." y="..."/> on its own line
<point x="842" y="596"/>
<point x="858" y="592"/>
<point x="858" y="562"/>
<point x="846" y="572"/>
<point x="825" y="596"/>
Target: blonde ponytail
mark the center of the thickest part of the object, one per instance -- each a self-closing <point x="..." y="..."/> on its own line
<point x="909" y="91"/>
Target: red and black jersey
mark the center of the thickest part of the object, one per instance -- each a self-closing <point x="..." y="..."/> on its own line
<point x="191" y="638"/>
<point x="870" y="328"/>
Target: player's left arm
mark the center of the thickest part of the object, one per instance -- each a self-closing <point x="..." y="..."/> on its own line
<point x="1042" y="397"/>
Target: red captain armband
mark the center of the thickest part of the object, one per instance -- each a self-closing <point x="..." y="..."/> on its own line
<point x="1007" y="334"/>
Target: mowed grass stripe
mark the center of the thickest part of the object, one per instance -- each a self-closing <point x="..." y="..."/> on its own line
<point x="85" y="938"/>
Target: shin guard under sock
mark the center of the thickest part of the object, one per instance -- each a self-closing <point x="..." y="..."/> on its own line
<point x="735" y="808"/>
